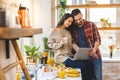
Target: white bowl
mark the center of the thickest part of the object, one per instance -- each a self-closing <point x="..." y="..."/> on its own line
<point x="46" y="75"/>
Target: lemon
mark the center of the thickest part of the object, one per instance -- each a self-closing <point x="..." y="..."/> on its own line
<point x="50" y="61"/>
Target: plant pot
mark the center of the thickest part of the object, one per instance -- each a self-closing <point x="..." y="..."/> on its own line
<point x="31" y="60"/>
<point x="103" y="24"/>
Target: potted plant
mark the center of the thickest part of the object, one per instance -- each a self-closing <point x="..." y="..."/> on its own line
<point x="105" y="22"/>
<point x="63" y="6"/>
<point x="32" y="53"/>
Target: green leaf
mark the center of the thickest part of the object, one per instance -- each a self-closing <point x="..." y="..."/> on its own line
<point x="63" y="9"/>
<point x="27" y="48"/>
<point x="32" y="51"/>
<point x="45" y="39"/>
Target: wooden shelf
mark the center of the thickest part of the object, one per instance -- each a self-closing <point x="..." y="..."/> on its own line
<point x="92" y="6"/>
<point x="14" y="33"/>
<point x="109" y="28"/>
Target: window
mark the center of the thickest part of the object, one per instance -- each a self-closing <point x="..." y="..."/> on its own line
<point x="94" y="14"/>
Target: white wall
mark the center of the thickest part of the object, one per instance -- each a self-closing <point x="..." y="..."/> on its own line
<point x="42" y="15"/>
<point x="41" y="18"/>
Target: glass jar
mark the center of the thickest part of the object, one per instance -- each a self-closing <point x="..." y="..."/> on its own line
<point x="24" y="17"/>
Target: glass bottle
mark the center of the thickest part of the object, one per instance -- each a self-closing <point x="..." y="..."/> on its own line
<point x="18" y="73"/>
<point x="44" y="57"/>
<point x="50" y="60"/>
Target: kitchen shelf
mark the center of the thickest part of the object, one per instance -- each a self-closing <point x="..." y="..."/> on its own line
<point x="14" y="33"/>
<point x="109" y="28"/>
<point x="92" y="6"/>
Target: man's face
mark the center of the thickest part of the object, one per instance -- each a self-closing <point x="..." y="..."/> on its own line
<point x="79" y="19"/>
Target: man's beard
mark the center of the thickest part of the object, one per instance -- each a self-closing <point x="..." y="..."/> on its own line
<point x="80" y="24"/>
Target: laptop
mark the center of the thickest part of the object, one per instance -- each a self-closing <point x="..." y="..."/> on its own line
<point x="81" y="54"/>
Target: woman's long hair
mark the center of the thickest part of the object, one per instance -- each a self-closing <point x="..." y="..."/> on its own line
<point x="71" y="27"/>
<point x="64" y="17"/>
<point x="71" y="30"/>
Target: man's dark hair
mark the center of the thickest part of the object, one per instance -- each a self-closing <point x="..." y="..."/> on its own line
<point x="75" y="12"/>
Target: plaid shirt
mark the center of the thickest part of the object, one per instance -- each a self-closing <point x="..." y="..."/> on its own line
<point x="92" y="36"/>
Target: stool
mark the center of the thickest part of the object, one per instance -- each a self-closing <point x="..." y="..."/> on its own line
<point x="20" y="61"/>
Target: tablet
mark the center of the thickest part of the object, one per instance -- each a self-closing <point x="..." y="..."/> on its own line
<point x="81" y="54"/>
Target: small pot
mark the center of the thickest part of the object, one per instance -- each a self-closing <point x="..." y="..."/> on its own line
<point x="31" y="60"/>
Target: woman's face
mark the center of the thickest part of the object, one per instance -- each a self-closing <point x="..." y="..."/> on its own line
<point x="68" y="22"/>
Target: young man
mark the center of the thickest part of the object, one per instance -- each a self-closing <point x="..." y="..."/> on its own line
<point x="87" y="36"/>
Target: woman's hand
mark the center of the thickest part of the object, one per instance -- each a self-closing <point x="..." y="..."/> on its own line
<point x="63" y="40"/>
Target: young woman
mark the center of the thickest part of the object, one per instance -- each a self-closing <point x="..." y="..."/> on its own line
<point x="60" y="41"/>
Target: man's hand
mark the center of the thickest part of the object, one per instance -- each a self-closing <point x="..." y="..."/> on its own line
<point x="92" y="52"/>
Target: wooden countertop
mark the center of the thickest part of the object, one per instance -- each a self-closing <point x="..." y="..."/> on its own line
<point x="14" y="33"/>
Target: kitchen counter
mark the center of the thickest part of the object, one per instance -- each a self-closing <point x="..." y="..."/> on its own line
<point x="68" y="78"/>
<point x="40" y="75"/>
<point x="108" y="59"/>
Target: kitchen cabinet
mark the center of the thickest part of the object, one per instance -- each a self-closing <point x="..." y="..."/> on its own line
<point x="13" y="34"/>
<point x="111" y="68"/>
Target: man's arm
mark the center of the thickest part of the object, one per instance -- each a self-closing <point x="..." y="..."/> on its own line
<point x="97" y="39"/>
<point x="92" y="52"/>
